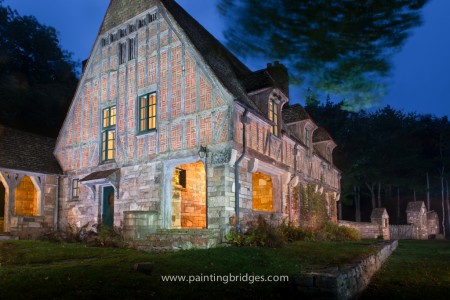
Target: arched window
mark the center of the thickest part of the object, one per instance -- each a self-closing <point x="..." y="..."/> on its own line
<point x="26" y="198"/>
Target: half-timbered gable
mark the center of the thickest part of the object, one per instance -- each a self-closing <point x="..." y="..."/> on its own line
<point x="169" y="130"/>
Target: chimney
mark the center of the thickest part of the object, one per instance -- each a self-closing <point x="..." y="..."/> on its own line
<point x="280" y="74"/>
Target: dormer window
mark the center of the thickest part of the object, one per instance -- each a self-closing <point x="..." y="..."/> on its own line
<point x="273" y="116"/>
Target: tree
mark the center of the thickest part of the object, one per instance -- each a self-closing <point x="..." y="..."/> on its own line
<point x="37" y="77"/>
<point x="342" y="47"/>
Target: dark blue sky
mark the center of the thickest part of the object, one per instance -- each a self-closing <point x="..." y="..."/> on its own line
<point x="420" y="80"/>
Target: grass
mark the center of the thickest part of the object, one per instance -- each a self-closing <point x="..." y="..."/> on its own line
<point x="416" y="270"/>
<point x="37" y="270"/>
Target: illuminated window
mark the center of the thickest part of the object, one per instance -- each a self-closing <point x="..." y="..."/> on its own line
<point x="75" y="188"/>
<point x="273" y="116"/>
<point x="108" y="145"/>
<point x="147" y="112"/>
<point x="109" y="117"/>
<point x="180" y="177"/>
<point x="109" y="133"/>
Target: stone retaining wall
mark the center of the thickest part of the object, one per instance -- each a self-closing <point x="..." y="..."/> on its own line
<point x="171" y="240"/>
<point x="344" y="283"/>
<point x="366" y="230"/>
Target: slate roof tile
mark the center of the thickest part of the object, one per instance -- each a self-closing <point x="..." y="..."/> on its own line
<point x="20" y="150"/>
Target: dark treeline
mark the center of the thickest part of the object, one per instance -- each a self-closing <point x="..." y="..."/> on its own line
<point x="37" y="78"/>
<point x="388" y="158"/>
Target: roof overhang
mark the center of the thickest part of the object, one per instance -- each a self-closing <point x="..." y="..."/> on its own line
<point x="108" y="177"/>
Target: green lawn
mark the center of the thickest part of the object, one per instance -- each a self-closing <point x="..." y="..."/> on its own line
<point x="43" y="270"/>
<point x="416" y="270"/>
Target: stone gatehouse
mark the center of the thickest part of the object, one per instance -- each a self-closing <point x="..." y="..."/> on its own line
<point x="168" y="129"/>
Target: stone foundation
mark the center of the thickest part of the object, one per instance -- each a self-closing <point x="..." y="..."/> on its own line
<point x="344" y="283"/>
<point x="28" y="227"/>
<point x="170" y="240"/>
<point x="139" y="224"/>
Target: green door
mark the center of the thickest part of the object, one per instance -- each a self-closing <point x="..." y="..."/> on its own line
<point x="108" y="206"/>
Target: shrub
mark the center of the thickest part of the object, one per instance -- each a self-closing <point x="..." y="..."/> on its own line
<point x="262" y="234"/>
<point x="259" y="233"/>
<point x="95" y="235"/>
<point x="106" y="237"/>
<point x="332" y="232"/>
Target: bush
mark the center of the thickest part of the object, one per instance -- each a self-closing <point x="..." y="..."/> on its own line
<point x="95" y="235"/>
<point x="262" y="234"/>
<point x="332" y="232"/>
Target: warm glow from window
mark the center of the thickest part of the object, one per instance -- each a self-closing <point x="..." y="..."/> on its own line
<point x="26" y="198"/>
<point x="147" y="112"/>
<point x="262" y="195"/>
<point x="273" y="116"/>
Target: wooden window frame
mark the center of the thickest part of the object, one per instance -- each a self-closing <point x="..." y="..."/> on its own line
<point x="108" y="137"/>
<point x="75" y="188"/>
<point x="147" y="114"/>
<point x="273" y="116"/>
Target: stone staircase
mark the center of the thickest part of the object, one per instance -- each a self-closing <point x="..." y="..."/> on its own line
<point x="170" y="240"/>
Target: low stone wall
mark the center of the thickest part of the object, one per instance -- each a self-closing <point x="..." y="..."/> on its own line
<point x="139" y="224"/>
<point x="170" y="240"/>
<point x="28" y="227"/>
<point x="344" y="283"/>
<point x="366" y="230"/>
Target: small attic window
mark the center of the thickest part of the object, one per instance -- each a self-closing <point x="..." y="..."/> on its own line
<point x="122" y="32"/>
<point x="104" y="42"/>
<point x="131" y="28"/>
<point x="142" y="23"/>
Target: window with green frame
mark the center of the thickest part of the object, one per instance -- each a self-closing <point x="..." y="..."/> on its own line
<point x="273" y="116"/>
<point x="109" y="133"/>
<point x="147" y="112"/>
<point x="75" y="188"/>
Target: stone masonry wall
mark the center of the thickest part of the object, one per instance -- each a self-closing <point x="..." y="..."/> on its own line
<point x="366" y="230"/>
<point x="344" y="283"/>
<point x="32" y="227"/>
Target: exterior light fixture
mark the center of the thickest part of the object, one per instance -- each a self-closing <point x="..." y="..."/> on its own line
<point x="202" y="152"/>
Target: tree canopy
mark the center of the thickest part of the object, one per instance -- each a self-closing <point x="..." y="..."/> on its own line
<point x="386" y="149"/>
<point x="342" y="47"/>
<point x="37" y="77"/>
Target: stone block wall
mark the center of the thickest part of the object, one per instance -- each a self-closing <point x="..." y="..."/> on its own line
<point x="33" y="226"/>
<point x="344" y="283"/>
<point x="366" y="230"/>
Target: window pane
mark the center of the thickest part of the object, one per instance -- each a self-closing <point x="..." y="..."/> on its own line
<point x="152" y="123"/>
<point x="153" y="99"/>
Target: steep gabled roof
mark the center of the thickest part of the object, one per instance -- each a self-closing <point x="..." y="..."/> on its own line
<point x="229" y="70"/>
<point x="294" y="113"/>
<point x="321" y="135"/>
<point x="415" y="206"/>
<point x="20" y="150"/>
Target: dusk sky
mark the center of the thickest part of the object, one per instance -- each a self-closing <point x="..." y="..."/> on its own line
<point x="420" y="80"/>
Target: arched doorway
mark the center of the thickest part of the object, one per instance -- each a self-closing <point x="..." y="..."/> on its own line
<point x="189" y="196"/>
<point x="26" y="199"/>
<point x="262" y="195"/>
